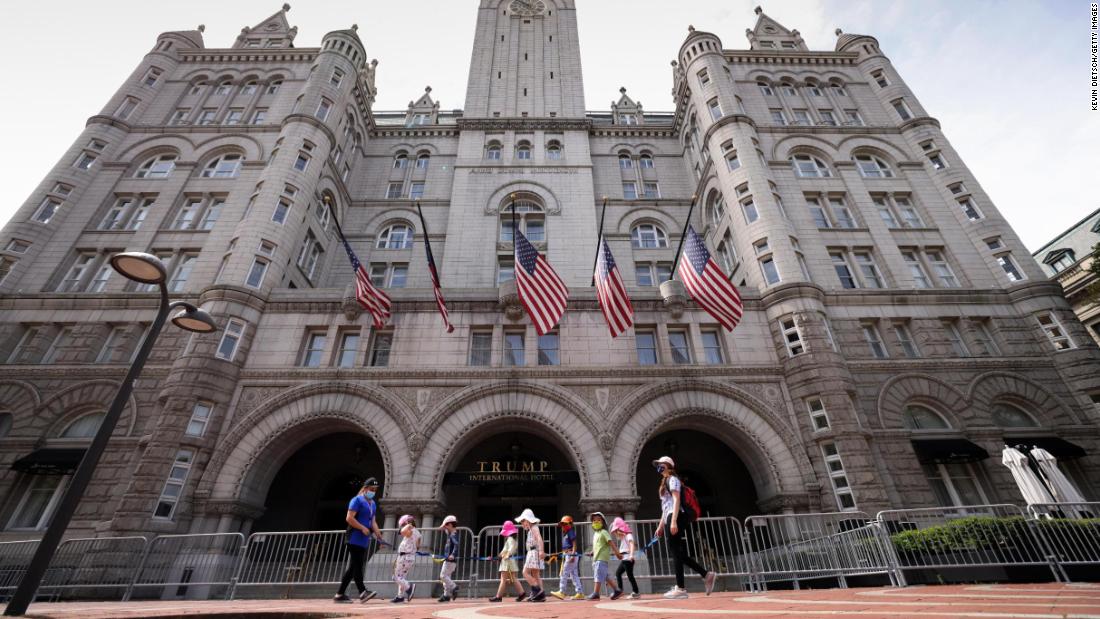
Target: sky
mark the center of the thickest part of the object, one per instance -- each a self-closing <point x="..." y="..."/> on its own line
<point x="1007" y="79"/>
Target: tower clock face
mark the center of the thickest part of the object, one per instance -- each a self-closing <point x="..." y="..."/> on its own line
<point x="527" y="7"/>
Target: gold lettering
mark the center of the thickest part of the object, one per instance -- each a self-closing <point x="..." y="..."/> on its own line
<point x="510" y="466"/>
<point x="496" y="466"/>
<point x="544" y="465"/>
<point x="528" y="467"/>
<point x="481" y="466"/>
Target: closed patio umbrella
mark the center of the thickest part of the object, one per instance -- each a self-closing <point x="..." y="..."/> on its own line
<point x="1030" y="486"/>
<point x="1063" y="489"/>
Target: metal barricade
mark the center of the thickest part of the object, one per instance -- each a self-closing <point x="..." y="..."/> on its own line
<point x="14" y="559"/>
<point x="193" y="567"/>
<point x="716" y="543"/>
<point x="1070" y="532"/>
<point x="970" y="536"/>
<point x="799" y="547"/>
<point x="99" y="568"/>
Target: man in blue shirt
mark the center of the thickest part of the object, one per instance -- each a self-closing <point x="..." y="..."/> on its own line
<point x="362" y="524"/>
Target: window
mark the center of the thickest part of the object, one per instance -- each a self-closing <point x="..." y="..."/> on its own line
<point x="112" y="346"/>
<point x="806" y="166"/>
<point x="273" y="87"/>
<point x="421" y="119"/>
<point x="630" y="191"/>
<point x="941" y="269"/>
<point x="843" y="491"/>
<point x="523" y="151"/>
<point x="481" y="348"/>
<point x="206" y="116"/>
<point x="196" y="88"/>
<point x="1008" y="265"/>
<point x="200" y="417"/>
<point x="83" y="427"/>
<point x="212" y="213"/>
<point x="231" y="339"/>
<point x="769" y="270"/>
<point x="715" y="109"/>
<point x="349" y="349"/>
<point x="225" y="166"/>
<point x="323" y="108"/>
<point x="983" y="336"/>
<point x="505" y="271"/>
<point x="814" y="89"/>
<point x="909" y="216"/>
<point x="422" y="161"/>
<point x="309" y="255"/>
<point x="394" y="190"/>
<point x="843" y="271"/>
<point x="84" y="161"/>
<point x="61" y="341"/>
<point x="712" y="346"/>
<point x="17" y="246"/>
<point x="678" y="346"/>
<point x="873" y="167"/>
<point x="955" y="484"/>
<point x="258" y="116"/>
<point x="732" y="162"/>
<point x="748" y="207"/>
<point x="902" y="109"/>
<point x="234" y="116"/>
<point x="885" y="213"/>
<point x="868" y="271"/>
<point x="818" y="417"/>
<point x="778" y="117"/>
<point x="717" y="209"/>
<point x="801" y="117"/>
<point x="801" y="258"/>
<point x="651" y="191"/>
<point x="160" y="166"/>
<point x="905" y="341"/>
<point x="880" y="78"/>
<point x="385" y="275"/>
<point x="1008" y="416"/>
<point x="400" y="161"/>
<point x="223" y="88"/>
<point x="19" y="353"/>
<point x="548" y="349"/>
<point x="416" y="190"/>
<point x="74" y="279"/>
<point x="1061" y="260"/>
<point x="173" y="486"/>
<point x="765" y="89"/>
<point x="282" y="209"/>
<point x="1055" y="333"/>
<point x="314" y="349"/>
<point x="937" y="161"/>
<point x="256" y="273"/>
<point x="704" y="77"/>
<point x="958" y="345"/>
<point x="916" y="269"/>
<point x="129" y="104"/>
<point x="645" y="161"/>
<point x="249" y="88"/>
<point x="513" y="348"/>
<point x="152" y="76"/>
<point x="648" y="236"/>
<point x="852" y="118"/>
<point x="788" y="90"/>
<point x="397" y="236"/>
<point x="36" y="506"/>
<point x="818" y="213"/>
<point x="957" y="188"/>
<point x="301" y="162"/>
<point x="493" y="152"/>
<point x="842" y="215"/>
<point x="645" y="342"/>
<point x="337" y="77"/>
<point x="874" y="341"/>
<point x="827" y="118"/>
<point x="792" y="337"/>
<point x="178" y="280"/>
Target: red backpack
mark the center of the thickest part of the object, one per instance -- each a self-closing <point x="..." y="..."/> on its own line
<point x="689" y="502"/>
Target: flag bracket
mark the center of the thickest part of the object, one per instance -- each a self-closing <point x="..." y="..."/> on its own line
<point x="674" y="296"/>
<point x="509" y="301"/>
<point x="351" y="307"/>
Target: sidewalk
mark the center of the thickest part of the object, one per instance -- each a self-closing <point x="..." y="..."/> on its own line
<point x="1039" y="601"/>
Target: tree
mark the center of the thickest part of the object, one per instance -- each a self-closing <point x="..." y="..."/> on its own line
<point x="1092" y="293"/>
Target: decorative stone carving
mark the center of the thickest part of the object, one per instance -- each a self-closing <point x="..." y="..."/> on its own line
<point x="509" y="300"/>
<point x="675" y="297"/>
<point x="416" y="443"/>
<point x="602" y="395"/>
<point x="350" y="305"/>
<point x="423" y="398"/>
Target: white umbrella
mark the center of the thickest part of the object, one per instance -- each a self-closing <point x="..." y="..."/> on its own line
<point x="1063" y="488"/>
<point x="1030" y="486"/>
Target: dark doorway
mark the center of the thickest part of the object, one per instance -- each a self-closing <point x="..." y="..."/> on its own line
<point x="503" y="474"/>
<point x="718" y="476"/>
<point x="313" y="487"/>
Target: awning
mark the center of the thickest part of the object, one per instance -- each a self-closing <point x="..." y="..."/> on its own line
<point x="49" y="461"/>
<point x="948" y="450"/>
<point x="1059" y="448"/>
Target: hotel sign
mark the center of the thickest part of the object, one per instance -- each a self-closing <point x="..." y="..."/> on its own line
<point x="510" y="471"/>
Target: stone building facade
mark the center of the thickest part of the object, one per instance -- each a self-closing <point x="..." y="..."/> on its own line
<point x="1067" y="259"/>
<point x="895" y="335"/>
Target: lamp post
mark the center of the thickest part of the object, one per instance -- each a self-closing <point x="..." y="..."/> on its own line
<point x="146" y="269"/>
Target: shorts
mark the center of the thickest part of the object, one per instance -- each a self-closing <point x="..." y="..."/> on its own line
<point x="599" y="571"/>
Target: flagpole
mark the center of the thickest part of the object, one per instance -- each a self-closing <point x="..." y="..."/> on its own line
<point x="335" y="220"/>
<point x="683" y="235"/>
<point x="513" y="196"/>
<point x="599" y="239"/>
<point x="423" y="226"/>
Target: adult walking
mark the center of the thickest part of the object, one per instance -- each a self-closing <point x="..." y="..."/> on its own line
<point x="362" y="526"/>
<point x="677" y="523"/>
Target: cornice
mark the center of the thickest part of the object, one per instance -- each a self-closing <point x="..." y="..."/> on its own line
<point x="420" y="131"/>
<point x="110" y="121"/>
<point x="525" y="124"/>
<point x="406" y="376"/>
<point x="919" y="121"/>
<point x="281" y="54"/>
<point x="668" y="131"/>
<point x="310" y="120"/>
<point x="219" y="129"/>
<point x="964" y="364"/>
<point x="790" y="57"/>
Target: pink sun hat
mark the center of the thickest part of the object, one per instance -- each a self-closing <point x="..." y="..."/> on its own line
<point x="508" y="529"/>
<point x="620" y="525"/>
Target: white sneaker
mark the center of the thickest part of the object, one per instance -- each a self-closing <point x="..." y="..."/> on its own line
<point x="676" y="593"/>
<point x="635" y="596"/>
<point x="708" y="581"/>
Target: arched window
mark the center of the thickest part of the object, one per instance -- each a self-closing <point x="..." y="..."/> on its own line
<point x="84" y="427"/>
<point x="807" y="166"/>
<point x="197" y="87"/>
<point x="1008" y="416"/>
<point x="814" y="89"/>
<point x="530" y="220"/>
<point x="788" y="90"/>
<point x="397" y="236"/>
<point x="765" y="88"/>
<point x="917" y="417"/>
<point x="523" y="150"/>
<point x="401" y="160"/>
<point x="648" y="236"/>
<point x="5" y="424"/>
<point x="873" y="167"/>
<point x="160" y="166"/>
<point x="273" y="86"/>
<point x="422" y="161"/>
<point x="249" y="87"/>
<point x="492" y="151"/>
<point x="553" y="150"/>
<point x="838" y="89"/>
<point x="225" y="166"/>
<point x="716" y="209"/>
<point x="625" y="162"/>
<point x="224" y="87"/>
<point x="646" y="161"/>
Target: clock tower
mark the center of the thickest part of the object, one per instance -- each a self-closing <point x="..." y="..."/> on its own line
<point x="526" y="61"/>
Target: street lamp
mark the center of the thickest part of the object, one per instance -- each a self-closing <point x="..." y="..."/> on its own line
<point x="146" y="269"/>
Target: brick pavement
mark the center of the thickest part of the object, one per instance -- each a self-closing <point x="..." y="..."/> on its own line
<point x="1036" y="601"/>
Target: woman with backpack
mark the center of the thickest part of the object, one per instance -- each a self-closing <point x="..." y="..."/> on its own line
<point x="676" y="519"/>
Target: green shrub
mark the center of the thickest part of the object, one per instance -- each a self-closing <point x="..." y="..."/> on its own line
<point x="978" y="533"/>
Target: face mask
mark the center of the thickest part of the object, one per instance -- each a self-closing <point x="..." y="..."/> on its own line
<point x="660" y="468"/>
<point x="596" y="526"/>
<point x="370" y="494"/>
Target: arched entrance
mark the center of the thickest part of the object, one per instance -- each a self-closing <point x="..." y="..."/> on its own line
<point x="501" y="474"/>
<point x="312" y="488"/>
<point x="714" y="471"/>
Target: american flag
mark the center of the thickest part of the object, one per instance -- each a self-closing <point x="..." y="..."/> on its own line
<point x="541" y="291"/>
<point x="371" y="298"/>
<point x="707" y="284"/>
<point x="612" y="293"/>
<point x="435" y="282"/>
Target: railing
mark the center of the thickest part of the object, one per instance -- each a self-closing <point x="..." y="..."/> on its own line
<point x="790" y="548"/>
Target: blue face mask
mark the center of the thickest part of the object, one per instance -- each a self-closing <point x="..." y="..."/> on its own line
<point x="660" y="468"/>
<point x="370" y="494"/>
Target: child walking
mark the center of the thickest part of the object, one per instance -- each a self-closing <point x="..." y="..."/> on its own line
<point x="508" y="567"/>
<point x="601" y="556"/>
<point x="627" y="548"/>
<point x="450" y="559"/>
<point x="570" y="561"/>
<point x="532" y="564"/>
<point x="406" y="555"/>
